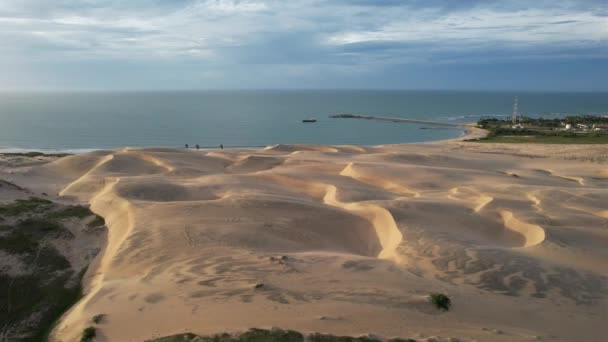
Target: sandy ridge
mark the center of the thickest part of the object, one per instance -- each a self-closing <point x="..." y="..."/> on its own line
<point x="368" y="232"/>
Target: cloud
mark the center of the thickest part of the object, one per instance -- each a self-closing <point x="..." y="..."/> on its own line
<point x="536" y="26"/>
<point x="318" y="37"/>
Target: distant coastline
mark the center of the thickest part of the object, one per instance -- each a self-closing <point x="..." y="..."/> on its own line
<point x="81" y="122"/>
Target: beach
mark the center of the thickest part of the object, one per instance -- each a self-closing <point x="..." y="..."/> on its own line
<point x="347" y="240"/>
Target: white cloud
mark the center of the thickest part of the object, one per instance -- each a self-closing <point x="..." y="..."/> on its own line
<point x="202" y="28"/>
<point x="308" y="36"/>
<point x="233" y="5"/>
<point x="484" y="25"/>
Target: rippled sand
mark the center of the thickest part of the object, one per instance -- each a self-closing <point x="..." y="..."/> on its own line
<point x="345" y="240"/>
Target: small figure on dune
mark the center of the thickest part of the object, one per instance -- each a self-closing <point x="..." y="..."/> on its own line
<point x="222" y="146"/>
<point x="186" y="146"/>
<point x="197" y="147"/>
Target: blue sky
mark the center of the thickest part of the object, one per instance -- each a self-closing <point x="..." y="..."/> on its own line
<point x="272" y="44"/>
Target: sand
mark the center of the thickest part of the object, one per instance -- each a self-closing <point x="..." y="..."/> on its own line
<point x="345" y="240"/>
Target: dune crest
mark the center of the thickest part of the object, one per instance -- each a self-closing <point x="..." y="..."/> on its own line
<point x="349" y="171"/>
<point x="253" y="163"/>
<point x="118" y="215"/>
<point x="71" y="188"/>
<point x="299" y="148"/>
<point x="533" y="234"/>
<point x="579" y="180"/>
<point x="388" y="233"/>
<point x="471" y="195"/>
<point x="158" y="162"/>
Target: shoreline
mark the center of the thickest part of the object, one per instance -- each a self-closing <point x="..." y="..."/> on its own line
<point x="468" y="132"/>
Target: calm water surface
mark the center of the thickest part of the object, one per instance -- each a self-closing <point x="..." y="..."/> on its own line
<point x="67" y="121"/>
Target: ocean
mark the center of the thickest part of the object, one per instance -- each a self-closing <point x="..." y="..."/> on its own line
<point x="100" y="120"/>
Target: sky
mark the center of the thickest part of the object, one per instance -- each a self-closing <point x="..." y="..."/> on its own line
<point x="536" y="45"/>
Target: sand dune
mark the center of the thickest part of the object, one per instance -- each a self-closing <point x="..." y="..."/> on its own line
<point x="357" y="235"/>
<point x="479" y="200"/>
<point x="350" y="171"/>
<point x="299" y="148"/>
<point x="85" y="183"/>
<point x="388" y="233"/>
<point x="532" y="233"/>
<point x="578" y="180"/>
<point x="255" y="164"/>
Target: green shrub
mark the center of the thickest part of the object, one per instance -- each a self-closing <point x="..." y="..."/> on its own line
<point x="42" y="227"/>
<point x="88" y="334"/>
<point x="441" y="301"/>
<point x="251" y="335"/>
<point x="273" y="335"/>
<point x="33" y="204"/>
<point x="35" y="154"/>
<point x="99" y="318"/>
<point x="36" y="299"/>
<point x="316" y="337"/>
<point x="188" y="337"/>
<point x="278" y="335"/>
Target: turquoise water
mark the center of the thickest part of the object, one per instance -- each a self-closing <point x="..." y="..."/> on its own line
<point x="67" y="121"/>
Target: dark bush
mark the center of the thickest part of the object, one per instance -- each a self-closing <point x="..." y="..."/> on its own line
<point x="88" y="334"/>
<point x="441" y="301"/>
<point x="78" y="211"/>
<point x="33" y="204"/>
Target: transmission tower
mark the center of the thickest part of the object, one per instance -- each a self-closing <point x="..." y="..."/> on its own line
<point x="515" y="105"/>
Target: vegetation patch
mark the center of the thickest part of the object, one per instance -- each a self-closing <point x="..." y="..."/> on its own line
<point x="78" y="211"/>
<point x="273" y="335"/>
<point x="35" y="154"/>
<point x="187" y="338"/>
<point x="34" y="294"/>
<point x="586" y="129"/>
<point x="32" y="299"/>
<point x="279" y="335"/>
<point x="545" y="139"/>
<point x="21" y="206"/>
<point x="88" y="334"/>
<point x="441" y="301"/>
<point x="331" y="338"/>
<point x="99" y="318"/>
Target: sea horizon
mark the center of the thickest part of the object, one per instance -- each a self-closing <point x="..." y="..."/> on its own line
<point x="283" y="89"/>
<point x="91" y="120"/>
